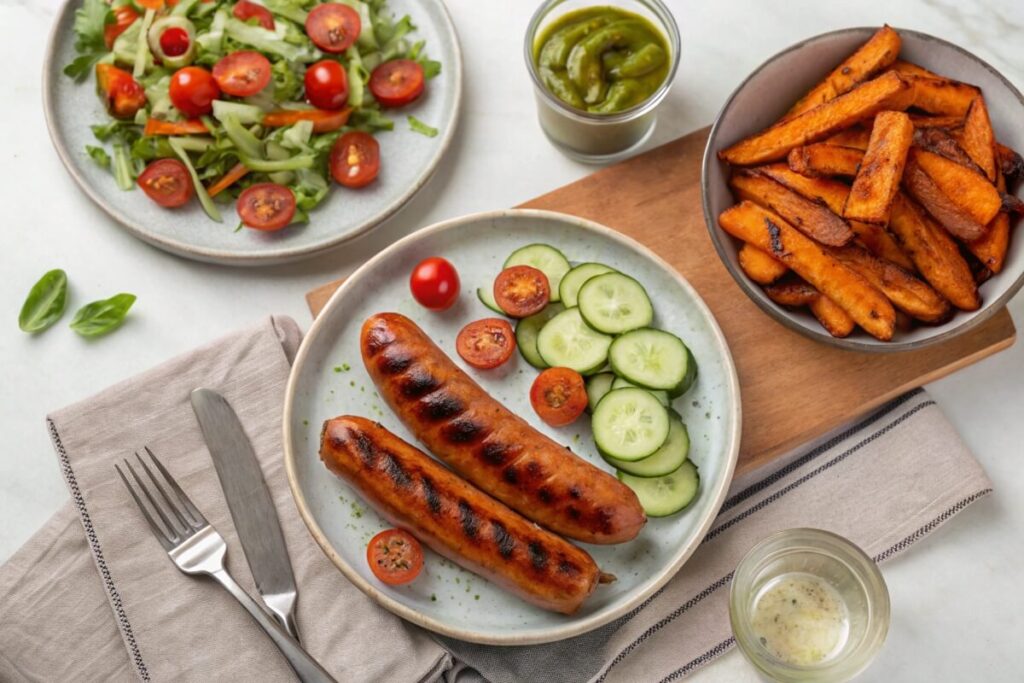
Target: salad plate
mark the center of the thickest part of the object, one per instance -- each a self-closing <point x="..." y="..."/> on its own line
<point x="408" y="157"/>
<point x="328" y="379"/>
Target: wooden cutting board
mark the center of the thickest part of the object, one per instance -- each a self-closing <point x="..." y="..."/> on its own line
<point x="793" y="388"/>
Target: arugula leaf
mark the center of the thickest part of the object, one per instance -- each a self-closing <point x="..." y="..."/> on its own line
<point x="100" y="317"/>
<point x="423" y="129"/>
<point x="45" y="303"/>
<point x="99" y="155"/>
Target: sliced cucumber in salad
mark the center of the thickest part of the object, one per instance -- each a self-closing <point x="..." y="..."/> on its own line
<point x="527" y="330"/>
<point x="597" y="386"/>
<point x="653" y="359"/>
<point x="544" y="258"/>
<point x="570" y="286"/>
<point x="661" y="395"/>
<point x="667" y="494"/>
<point x="667" y="459"/>
<point x="566" y="341"/>
<point x="486" y="296"/>
<point x="614" y="303"/>
<point x="629" y="424"/>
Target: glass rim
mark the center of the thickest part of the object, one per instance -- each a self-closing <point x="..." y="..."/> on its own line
<point x="668" y="21"/>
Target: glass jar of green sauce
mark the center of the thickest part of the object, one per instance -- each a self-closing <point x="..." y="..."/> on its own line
<point x="600" y="72"/>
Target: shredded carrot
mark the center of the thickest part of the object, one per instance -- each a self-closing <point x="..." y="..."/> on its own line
<point x="228" y="179"/>
<point x="190" y="127"/>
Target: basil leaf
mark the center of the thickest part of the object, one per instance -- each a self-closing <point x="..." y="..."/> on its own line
<point x="45" y="303"/>
<point x="100" y="317"/>
<point x="423" y="129"/>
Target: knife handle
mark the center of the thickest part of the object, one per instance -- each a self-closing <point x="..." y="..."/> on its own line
<point x="306" y="668"/>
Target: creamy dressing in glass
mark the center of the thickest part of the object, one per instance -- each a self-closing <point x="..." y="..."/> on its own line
<point x="800" y="619"/>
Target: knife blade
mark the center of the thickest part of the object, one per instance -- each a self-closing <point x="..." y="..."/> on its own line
<point x="252" y="509"/>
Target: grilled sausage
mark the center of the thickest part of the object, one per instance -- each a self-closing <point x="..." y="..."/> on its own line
<point x="490" y="446"/>
<point x="413" y="491"/>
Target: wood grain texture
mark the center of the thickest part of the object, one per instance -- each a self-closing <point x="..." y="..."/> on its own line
<point x="794" y="389"/>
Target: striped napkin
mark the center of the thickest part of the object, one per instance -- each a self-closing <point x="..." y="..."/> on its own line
<point x="92" y="597"/>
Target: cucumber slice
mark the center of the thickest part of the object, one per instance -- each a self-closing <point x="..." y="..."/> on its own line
<point x="654" y="359"/>
<point x="659" y="394"/>
<point x="527" y="330"/>
<point x="575" y="278"/>
<point x="544" y="258"/>
<point x="566" y="341"/>
<point x="615" y="303"/>
<point x="486" y="296"/>
<point x="665" y="460"/>
<point x="629" y="424"/>
<point x="597" y="386"/>
<point x="665" y="495"/>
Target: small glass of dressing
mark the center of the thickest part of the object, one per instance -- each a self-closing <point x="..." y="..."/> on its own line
<point x="597" y="137"/>
<point x="808" y="605"/>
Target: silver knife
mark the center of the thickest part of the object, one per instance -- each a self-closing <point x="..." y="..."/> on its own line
<point x="252" y="509"/>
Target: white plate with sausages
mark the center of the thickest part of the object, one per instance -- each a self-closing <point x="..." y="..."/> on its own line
<point x="328" y="379"/>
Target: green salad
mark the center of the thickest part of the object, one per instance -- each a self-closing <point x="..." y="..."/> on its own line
<point x="262" y="104"/>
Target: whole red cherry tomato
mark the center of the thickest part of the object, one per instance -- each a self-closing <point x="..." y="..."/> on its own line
<point x="435" y="283"/>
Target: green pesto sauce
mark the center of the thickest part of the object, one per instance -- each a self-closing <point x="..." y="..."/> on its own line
<point x="602" y="60"/>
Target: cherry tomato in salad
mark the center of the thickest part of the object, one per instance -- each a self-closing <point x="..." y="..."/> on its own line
<point x="486" y="343"/>
<point x="521" y="291"/>
<point x="174" y="41"/>
<point x="167" y="182"/>
<point x="397" y="83"/>
<point x="327" y="85"/>
<point x="266" y="206"/>
<point x="395" y="557"/>
<point x="193" y="91"/>
<point x="246" y="10"/>
<point x="355" y="159"/>
<point x="435" y="283"/>
<point x="121" y="93"/>
<point x="558" y="396"/>
<point x="333" y="27"/>
<point x="124" y="16"/>
<point x="242" y="73"/>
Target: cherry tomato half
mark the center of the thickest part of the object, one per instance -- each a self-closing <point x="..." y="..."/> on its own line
<point x="266" y="206"/>
<point x="395" y="557"/>
<point x="486" y="343"/>
<point x="559" y="396"/>
<point x="124" y="16"/>
<point x="242" y="73"/>
<point x="193" y="91"/>
<point x="121" y="93"/>
<point x="355" y="159"/>
<point x="167" y="182"/>
<point x="435" y="283"/>
<point x="397" y="83"/>
<point x="246" y="10"/>
<point x="521" y="291"/>
<point x="333" y="27"/>
<point x="327" y="85"/>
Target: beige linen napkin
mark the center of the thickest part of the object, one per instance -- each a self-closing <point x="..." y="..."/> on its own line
<point x="56" y="609"/>
<point x="884" y="483"/>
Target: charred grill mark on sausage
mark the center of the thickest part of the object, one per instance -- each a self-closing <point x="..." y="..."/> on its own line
<point x="462" y="430"/>
<point x="379" y="337"/>
<point x="430" y="494"/>
<point x="440" y="405"/>
<point x="506" y="544"/>
<point x="394" y="469"/>
<point x="469" y="519"/>
<point x="417" y="382"/>
<point x="538" y="555"/>
<point x="393" y="361"/>
<point x="495" y="452"/>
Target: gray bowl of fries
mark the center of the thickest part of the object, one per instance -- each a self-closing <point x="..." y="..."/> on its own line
<point x="862" y="188"/>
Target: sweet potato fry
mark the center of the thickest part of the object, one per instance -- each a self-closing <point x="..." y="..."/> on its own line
<point x="759" y="266"/>
<point x="877" y="240"/>
<point x="948" y="122"/>
<point x="921" y="187"/>
<point x="991" y="247"/>
<point x="814" y="219"/>
<point x="978" y="139"/>
<point x="934" y="252"/>
<point x="797" y="293"/>
<point x="855" y="137"/>
<point x="870" y="58"/>
<point x="968" y="190"/>
<point x="906" y="292"/>
<point x="889" y="91"/>
<point x="910" y="69"/>
<point x="821" y="159"/>
<point x="878" y="178"/>
<point x="945" y="144"/>
<point x="942" y="96"/>
<point x="1010" y="163"/>
<point x="863" y="302"/>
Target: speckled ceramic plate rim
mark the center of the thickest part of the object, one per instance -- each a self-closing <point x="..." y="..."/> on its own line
<point x="989" y="308"/>
<point x="258" y="257"/>
<point x="574" y="627"/>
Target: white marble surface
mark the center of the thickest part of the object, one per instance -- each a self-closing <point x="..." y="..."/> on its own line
<point x="958" y="606"/>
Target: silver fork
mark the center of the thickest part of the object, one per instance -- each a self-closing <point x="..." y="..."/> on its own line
<point x="196" y="547"/>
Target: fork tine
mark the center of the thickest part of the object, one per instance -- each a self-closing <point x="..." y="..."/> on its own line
<point x="160" y="534"/>
<point x="186" y="501"/>
<point x="185" y="524"/>
<point x="174" y="534"/>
